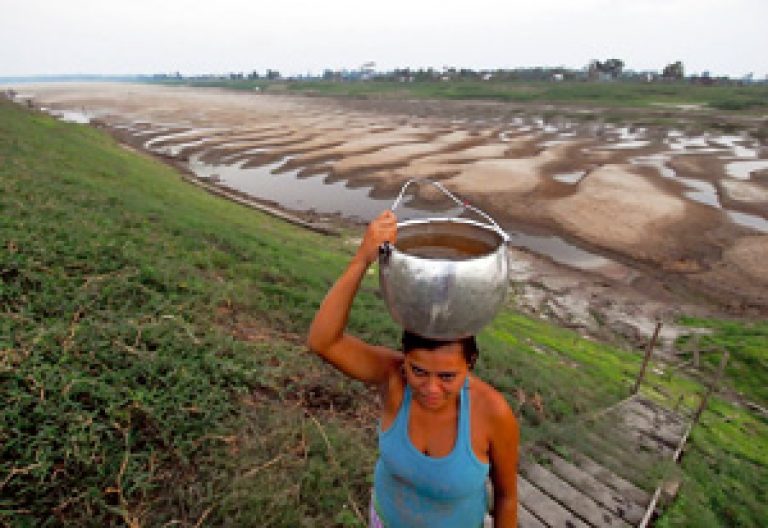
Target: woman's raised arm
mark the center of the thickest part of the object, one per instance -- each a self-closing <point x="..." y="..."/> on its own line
<point x="327" y="337"/>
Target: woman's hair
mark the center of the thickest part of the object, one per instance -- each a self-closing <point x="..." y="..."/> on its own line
<point x="411" y="341"/>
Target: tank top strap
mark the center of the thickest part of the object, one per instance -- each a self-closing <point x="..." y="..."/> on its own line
<point x="403" y="413"/>
<point x="464" y="409"/>
<point x="406" y="395"/>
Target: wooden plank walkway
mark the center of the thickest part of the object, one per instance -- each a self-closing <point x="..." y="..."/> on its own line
<point x="599" y="488"/>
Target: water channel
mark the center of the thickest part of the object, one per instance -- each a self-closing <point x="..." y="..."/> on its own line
<point x="316" y="194"/>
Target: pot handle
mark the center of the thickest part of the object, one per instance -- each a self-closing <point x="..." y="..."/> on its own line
<point x="461" y="203"/>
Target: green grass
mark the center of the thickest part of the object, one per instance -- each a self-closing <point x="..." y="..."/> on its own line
<point x="121" y="290"/>
<point x="724" y="475"/>
<point x="152" y="367"/>
<point x="608" y="94"/>
<point x="520" y="352"/>
<point x="232" y="84"/>
<point x="748" y="348"/>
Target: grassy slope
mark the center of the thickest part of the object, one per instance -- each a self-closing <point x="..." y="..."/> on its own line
<point x="748" y="345"/>
<point x="151" y="364"/>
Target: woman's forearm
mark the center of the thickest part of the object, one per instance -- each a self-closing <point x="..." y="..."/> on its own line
<point x="332" y="316"/>
<point x="504" y="512"/>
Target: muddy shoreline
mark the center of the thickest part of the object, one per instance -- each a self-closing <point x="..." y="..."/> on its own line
<point x="659" y="205"/>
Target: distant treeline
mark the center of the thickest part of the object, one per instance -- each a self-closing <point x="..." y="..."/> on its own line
<point x="596" y="70"/>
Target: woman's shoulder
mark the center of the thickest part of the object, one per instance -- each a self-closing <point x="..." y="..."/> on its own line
<point x="489" y="402"/>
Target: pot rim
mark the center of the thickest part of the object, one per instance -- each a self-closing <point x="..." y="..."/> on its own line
<point x="505" y="238"/>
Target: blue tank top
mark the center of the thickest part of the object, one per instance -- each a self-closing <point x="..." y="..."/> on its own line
<point x="413" y="490"/>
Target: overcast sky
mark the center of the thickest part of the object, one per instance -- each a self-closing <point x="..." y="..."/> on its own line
<point x="725" y="37"/>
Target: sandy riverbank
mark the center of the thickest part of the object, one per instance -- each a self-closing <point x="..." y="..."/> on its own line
<point x="679" y="225"/>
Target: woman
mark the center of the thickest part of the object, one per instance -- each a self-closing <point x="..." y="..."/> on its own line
<point x="442" y="430"/>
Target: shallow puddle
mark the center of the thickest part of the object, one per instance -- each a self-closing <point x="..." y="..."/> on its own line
<point x="314" y="194"/>
<point x="302" y="193"/>
<point x="631" y="144"/>
<point x="703" y="192"/>
<point x="658" y="162"/>
<point x="570" y="177"/>
<point x="72" y="116"/>
<point x="747" y="220"/>
<point x="558" y="250"/>
<point x="626" y="138"/>
<point x="742" y="169"/>
<point x="141" y="132"/>
<point x="178" y="136"/>
<point x="686" y="143"/>
<point x="176" y="148"/>
<point x="241" y="155"/>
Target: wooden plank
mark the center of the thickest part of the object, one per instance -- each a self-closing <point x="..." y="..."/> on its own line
<point x="669" y="415"/>
<point x="526" y="519"/>
<point x="546" y="508"/>
<point x="611" y="499"/>
<point x="657" y="432"/>
<point x="650" y="407"/>
<point x="622" y="441"/>
<point x="640" y="419"/>
<point x="625" y="456"/>
<point x="654" y="421"/>
<point x="571" y="498"/>
<point x="611" y="479"/>
<point x="672" y="423"/>
<point x="638" y="442"/>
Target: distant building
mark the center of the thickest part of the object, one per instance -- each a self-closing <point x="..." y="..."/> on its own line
<point x="367" y="71"/>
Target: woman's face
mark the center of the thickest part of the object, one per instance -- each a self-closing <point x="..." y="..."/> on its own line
<point x="436" y="376"/>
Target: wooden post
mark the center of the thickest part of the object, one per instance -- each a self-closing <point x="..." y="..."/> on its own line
<point x="648" y="352"/>
<point x="678" y="402"/>
<point x="712" y="386"/>
<point x="696" y="351"/>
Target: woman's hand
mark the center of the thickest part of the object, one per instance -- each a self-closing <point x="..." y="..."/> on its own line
<point x="382" y="229"/>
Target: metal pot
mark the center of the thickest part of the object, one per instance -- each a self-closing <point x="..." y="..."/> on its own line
<point x="443" y="296"/>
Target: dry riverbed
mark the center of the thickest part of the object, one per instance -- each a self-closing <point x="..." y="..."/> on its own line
<point x="613" y="226"/>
